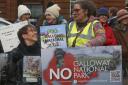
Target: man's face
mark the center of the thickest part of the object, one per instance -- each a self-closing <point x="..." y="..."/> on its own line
<point x="31" y="35"/>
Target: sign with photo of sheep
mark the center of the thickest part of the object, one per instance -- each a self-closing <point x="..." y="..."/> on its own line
<point x="53" y="36"/>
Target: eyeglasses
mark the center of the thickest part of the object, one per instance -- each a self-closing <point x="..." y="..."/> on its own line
<point x="76" y="10"/>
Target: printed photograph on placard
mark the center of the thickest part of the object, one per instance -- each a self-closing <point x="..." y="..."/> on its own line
<point x="53" y="36"/>
<point x="31" y="68"/>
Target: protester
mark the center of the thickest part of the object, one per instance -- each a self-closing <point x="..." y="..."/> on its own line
<point x="112" y="16"/>
<point x="83" y="31"/>
<point x="24" y="13"/>
<point x="121" y="34"/>
<point x="53" y="17"/>
<point x="29" y="46"/>
<point x="102" y="14"/>
<point x="42" y="18"/>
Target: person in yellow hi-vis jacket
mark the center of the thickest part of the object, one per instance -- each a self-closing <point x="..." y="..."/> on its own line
<point x="85" y="30"/>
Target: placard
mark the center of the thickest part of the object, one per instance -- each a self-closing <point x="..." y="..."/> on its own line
<point x="31" y="68"/>
<point x="53" y="36"/>
<point x="82" y="66"/>
<point x="8" y="35"/>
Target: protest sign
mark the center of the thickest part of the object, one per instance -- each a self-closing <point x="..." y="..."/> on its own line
<point x="53" y="36"/>
<point x="31" y="68"/>
<point x="8" y="35"/>
<point x="82" y="66"/>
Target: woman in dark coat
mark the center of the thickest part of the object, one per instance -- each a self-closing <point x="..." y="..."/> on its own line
<point x="29" y="46"/>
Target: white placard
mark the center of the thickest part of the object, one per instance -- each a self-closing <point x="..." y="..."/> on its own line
<point x="8" y="35"/>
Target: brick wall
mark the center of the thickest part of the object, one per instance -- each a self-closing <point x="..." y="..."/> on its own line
<point x="110" y="3"/>
<point x="8" y="9"/>
<point x="2" y="8"/>
<point x="65" y="7"/>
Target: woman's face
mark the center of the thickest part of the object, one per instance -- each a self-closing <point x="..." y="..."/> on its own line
<point x="31" y="34"/>
<point x="103" y="18"/>
<point x="50" y="19"/>
<point x="25" y="17"/>
<point x="78" y="13"/>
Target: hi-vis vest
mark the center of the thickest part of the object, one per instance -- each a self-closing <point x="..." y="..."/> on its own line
<point x="86" y="35"/>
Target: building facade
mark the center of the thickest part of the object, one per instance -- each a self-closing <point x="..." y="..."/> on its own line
<point x="8" y="8"/>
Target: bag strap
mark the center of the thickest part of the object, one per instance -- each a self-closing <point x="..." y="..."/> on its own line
<point x="74" y="42"/>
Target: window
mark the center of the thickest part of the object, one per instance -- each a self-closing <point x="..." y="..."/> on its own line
<point x="36" y="10"/>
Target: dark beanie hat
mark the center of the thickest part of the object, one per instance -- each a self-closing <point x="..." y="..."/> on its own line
<point x="102" y="11"/>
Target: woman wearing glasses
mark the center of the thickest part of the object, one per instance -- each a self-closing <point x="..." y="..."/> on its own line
<point x="84" y="30"/>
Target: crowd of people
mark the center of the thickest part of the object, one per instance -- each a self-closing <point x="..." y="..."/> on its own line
<point x="87" y="27"/>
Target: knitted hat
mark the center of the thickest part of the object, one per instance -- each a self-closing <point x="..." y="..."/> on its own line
<point x="53" y="10"/>
<point x="122" y="14"/>
<point x="23" y="9"/>
<point x="102" y="11"/>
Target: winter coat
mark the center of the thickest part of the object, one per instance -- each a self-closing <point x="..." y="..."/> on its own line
<point x="110" y="38"/>
<point x="121" y="34"/>
<point x="15" y="61"/>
